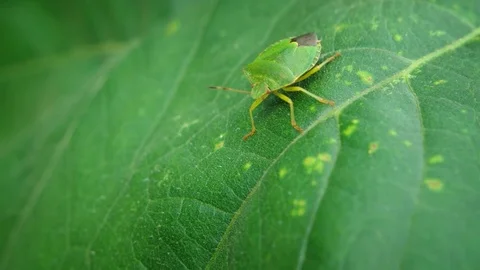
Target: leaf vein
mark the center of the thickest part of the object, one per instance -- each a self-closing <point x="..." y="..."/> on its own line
<point x="193" y="199"/>
<point x="170" y="247"/>
<point x="422" y="175"/>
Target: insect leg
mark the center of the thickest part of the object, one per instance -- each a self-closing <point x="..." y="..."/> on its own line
<point x="252" y="107"/>
<point x="317" y="68"/>
<point x="290" y="102"/>
<point x="300" y="89"/>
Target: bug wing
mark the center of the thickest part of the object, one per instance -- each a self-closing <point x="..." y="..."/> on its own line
<point x="284" y="61"/>
<point x="302" y="55"/>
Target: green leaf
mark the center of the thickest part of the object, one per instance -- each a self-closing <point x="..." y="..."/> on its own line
<point x="115" y="154"/>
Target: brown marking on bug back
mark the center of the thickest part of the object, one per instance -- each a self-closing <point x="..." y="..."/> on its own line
<point x="309" y="39"/>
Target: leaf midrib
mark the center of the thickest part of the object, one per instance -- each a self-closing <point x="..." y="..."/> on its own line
<point x="336" y="111"/>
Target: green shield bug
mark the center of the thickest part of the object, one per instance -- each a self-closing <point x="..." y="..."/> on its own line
<point x="278" y="67"/>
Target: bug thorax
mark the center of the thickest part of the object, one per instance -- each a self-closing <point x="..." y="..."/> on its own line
<point x="259" y="89"/>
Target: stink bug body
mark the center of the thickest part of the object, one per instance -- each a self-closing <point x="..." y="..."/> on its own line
<point x="278" y="67"/>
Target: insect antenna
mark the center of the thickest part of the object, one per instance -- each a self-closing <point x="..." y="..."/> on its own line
<point x="230" y="89"/>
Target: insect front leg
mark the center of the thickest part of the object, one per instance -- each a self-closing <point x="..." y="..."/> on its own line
<point x="300" y="89"/>
<point x="292" y="116"/>
<point x="316" y="68"/>
<point x="252" y="107"/>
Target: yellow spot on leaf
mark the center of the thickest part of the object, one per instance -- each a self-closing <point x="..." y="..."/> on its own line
<point x="463" y="111"/>
<point x="437" y="33"/>
<point x="349" y="130"/>
<point x="319" y="166"/>
<point x="299" y="207"/>
<point x="247" y="166"/>
<point x="392" y="132"/>
<point x="349" y="68"/>
<point x="309" y="161"/>
<point x="348" y="83"/>
<point x="365" y="76"/>
<point x="312" y="164"/>
<point x="172" y="27"/>
<point x="313" y="108"/>
<point x="299" y="202"/>
<point x="397" y="38"/>
<point x="326" y="157"/>
<point x="314" y="183"/>
<point x="435" y="159"/>
<point x="434" y="184"/>
<point x="372" y="147"/>
<point x="407" y="143"/>
<point x="439" y="82"/>
<point x="282" y="173"/>
<point x="384" y="67"/>
<point x="332" y="141"/>
<point x="219" y="145"/>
